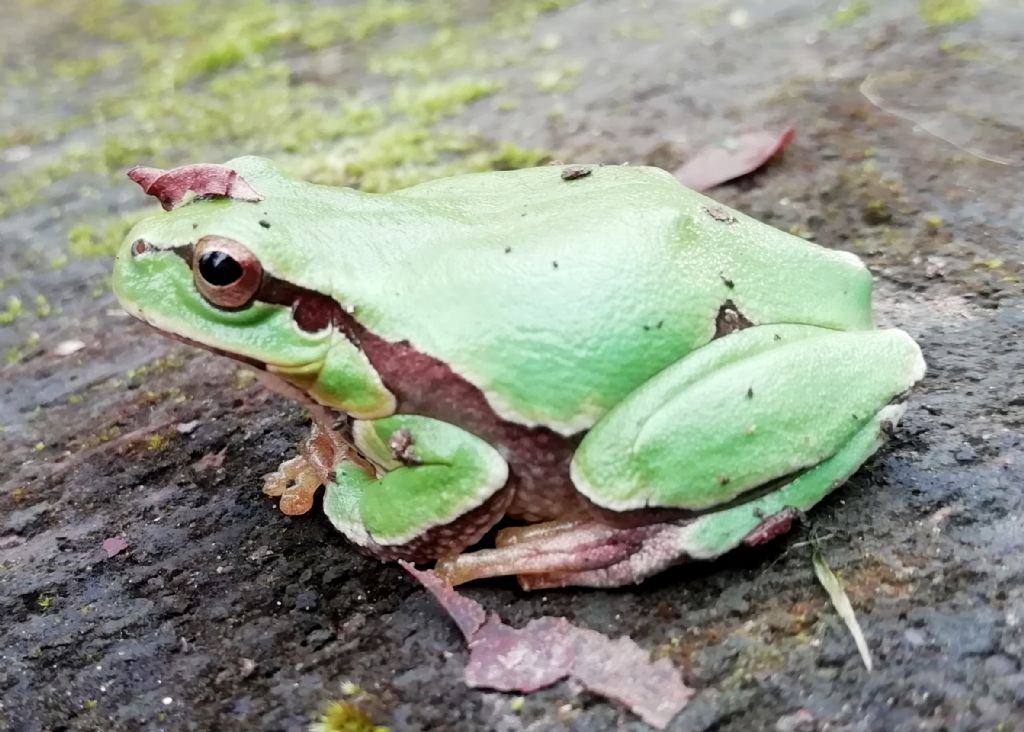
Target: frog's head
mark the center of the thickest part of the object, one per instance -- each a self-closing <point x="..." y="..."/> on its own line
<point x="219" y="269"/>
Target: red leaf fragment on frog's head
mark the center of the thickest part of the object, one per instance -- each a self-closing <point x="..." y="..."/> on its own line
<point x="732" y="157"/>
<point x="204" y="179"/>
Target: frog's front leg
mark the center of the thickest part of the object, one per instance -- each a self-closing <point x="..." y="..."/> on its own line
<point x="744" y="433"/>
<point x="297" y="480"/>
<point x="426" y="488"/>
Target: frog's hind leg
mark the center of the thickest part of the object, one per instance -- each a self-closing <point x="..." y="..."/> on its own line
<point x="758" y="424"/>
<point x="545" y="548"/>
<point x="560" y="554"/>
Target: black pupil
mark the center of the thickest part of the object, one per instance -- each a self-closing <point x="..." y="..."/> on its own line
<point x="219" y="269"/>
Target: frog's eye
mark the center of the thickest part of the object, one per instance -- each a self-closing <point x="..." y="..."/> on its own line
<point x="227" y="274"/>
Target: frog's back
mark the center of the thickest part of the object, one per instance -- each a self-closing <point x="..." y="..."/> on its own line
<point x="558" y="294"/>
<point x="555" y="290"/>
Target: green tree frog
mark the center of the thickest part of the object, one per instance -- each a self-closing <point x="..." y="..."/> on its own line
<point x="633" y="373"/>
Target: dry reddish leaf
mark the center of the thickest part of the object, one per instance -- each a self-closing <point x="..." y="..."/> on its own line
<point x="211" y="460"/>
<point x="114" y="546"/>
<point x="204" y="179"/>
<point x="550" y="649"/>
<point x="621" y="670"/>
<point x="521" y="659"/>
<point x="467" y="614"/>
<point x="732" y="157"/>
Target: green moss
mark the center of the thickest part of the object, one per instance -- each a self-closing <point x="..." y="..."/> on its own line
<point x="86" y="240"/>
<point x="157" y="442"/>
<point x="43" y="307"/>
<point x="431" y="102"/>
<point x="637" y="32"/>
<point x="186" y="39"/>
<point x="156" y="366"/>
<point x="244" y="378"/>
<point x="399" y="157"/>
<point x="449" y="49"/>
<point x="518" y="17"/>
<point x="345" y="716"/>
<point x="13" y="311"/>
<point x="558" y="80"/>
<point x="402" y="145"/>
<point x="77" y="69"/>
<point x="938" y="13"/>
<point x="848" y="13"/>
<point x="349" y="688"/>
<point x="962" y="51"/>
<point x="20" y="136"/>
<point x="213" y="78"/>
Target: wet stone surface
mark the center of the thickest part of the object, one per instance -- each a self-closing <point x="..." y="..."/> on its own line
<point x="223" y="614"/>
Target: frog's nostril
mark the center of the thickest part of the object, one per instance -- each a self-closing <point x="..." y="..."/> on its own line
<point x="140" y="246"/>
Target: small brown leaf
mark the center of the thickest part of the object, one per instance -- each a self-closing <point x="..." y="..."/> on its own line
<point x="114" y="546"/>
<point x="732" y="157"/>
<point x="549" y="649"/>
<point x="211" y="460"/>
<point x="205" y="179"/>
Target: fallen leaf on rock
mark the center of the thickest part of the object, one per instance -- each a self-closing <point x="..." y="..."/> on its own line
<point x="841" y="602"/>
<point x="550" y="649"/>
<point x="468" y="614"/>
<point x="521" y="659"/>
<point x="187" y="428"/>
<point x="211" y="460"/>
<point x="114" y="546"/>
<point x="732" y="157"/>
<point x="66" y="348"/>
<point x="621" y="670"/>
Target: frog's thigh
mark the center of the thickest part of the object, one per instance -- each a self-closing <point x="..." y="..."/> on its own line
<point x="791" y="410"/>
<point x="438" y="488"/>
<point x="713" y="534"/>
<point x="757" y="406"/>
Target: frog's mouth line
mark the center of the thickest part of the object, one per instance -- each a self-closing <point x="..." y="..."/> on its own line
<point x="247" y="360"/>
<point x="273" y="377"/>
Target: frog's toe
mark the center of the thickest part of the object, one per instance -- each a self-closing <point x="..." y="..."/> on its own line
<point x="295" y="482"/>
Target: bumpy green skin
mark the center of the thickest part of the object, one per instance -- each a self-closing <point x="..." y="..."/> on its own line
<point x="453" y="472"/>
<point x="613" y="277"/>
<point x="585" y="304"/>
<point x="785" y="397"/>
